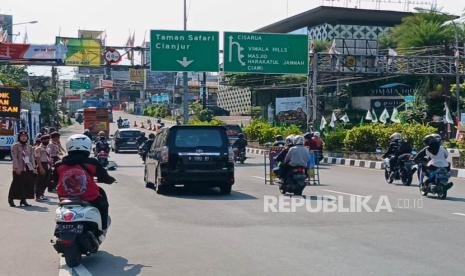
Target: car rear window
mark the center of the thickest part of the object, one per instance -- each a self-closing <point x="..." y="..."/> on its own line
<point x="201" y="137"/>
<point x="129" y="134"/>
<point x="233" y="130"/>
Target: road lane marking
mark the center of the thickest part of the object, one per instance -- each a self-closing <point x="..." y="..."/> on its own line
<point x="459" y="214"/>
<point x="342" y="193"/>
<point x="82" y="271"/>
<point x="65" y="270"/>
<point x="259" y="177"/>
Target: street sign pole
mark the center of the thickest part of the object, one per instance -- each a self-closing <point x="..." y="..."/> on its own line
<point x="185" y="96"/>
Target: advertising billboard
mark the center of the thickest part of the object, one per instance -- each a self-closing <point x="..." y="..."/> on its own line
<point x="31" y="51"/>
<point x="6" y="24"/>
<point x="291" y="110"/>
<point x="81" y="51"/>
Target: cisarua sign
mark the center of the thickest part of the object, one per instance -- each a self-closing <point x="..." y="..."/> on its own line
<point x="265" y="53"/>
<point x="188" y="51"/>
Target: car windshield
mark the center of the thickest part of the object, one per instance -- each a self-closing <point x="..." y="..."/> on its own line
<point x="129" y="134"/>
<point x="201" y="137"/>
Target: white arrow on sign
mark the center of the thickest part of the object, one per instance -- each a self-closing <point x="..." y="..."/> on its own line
<point x="184" y="62"/>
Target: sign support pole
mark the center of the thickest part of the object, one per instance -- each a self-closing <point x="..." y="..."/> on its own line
<point x="185" y="96"/>
<point x="314" y="88"/>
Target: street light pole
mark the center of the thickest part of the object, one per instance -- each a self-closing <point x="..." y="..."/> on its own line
<point x="185" y="97"/>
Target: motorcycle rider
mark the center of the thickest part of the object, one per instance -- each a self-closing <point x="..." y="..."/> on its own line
<point x="398" y="150"/>
<point x="436" y="155"/>
<point x="120" y="122"/>
<point x="70" y="174"/>
<point x="88" y="134"/>
<point x="141" y="139"/>
<point x="102" y="144"/>
<point x="281" y="169"/>
<point x="298" y="155"/>
<point x="279" y="141"/>
<point x="240" y="144"/>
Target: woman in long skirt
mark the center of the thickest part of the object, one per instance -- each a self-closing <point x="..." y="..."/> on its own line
<point x="22" y="186"/>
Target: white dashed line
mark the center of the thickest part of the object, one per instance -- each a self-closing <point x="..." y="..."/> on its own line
<point x="68" y="271"/>
<point x="459" y="214"/>
<point x="342" y="193"/>
<point x="259" y="177"/>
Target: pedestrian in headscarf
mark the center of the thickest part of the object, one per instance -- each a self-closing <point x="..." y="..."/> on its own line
<point x="22" y="186"/>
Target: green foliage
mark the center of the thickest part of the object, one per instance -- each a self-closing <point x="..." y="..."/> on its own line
<point x="256" y="112"/>
<point x="334" y="140"/>
<point x="196" y="108"/>
<point x="263" y="132"/>
<point x="158" y="111"/>
<point x="368" y="137"/>
<point x="205" y="115"/>
<point x="11" y="75"/>
<point x="212" y="122"/>
<point x="422" y="29"/>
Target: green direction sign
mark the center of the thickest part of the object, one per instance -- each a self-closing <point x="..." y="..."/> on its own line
<point x="77" y="85"/>
<point x="184" y="51"/>
<point x="265" y="53"/>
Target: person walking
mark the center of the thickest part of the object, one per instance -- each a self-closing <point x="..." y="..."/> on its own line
<point x="55" y="151"/>
<point x="22" y="186"/>
<point x="43" y="161"/>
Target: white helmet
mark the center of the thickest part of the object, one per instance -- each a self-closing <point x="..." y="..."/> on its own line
<point x="316" y="133"/>
<point x="396" y="137"/>
<point x="299" y="140"/>
<point x="79" y="142"/>
<point x="289" y="140"/>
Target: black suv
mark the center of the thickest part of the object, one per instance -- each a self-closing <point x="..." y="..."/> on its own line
<point x="125" y="139"/>
<point x="190" y="155"/>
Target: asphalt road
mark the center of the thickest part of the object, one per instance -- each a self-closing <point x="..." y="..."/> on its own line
<point x="204" y="233"/>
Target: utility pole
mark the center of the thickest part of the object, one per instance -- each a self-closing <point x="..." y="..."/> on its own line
<point x="204" y="90"/>
<point x="185" y="97"/>
<point x="314" y="88"/>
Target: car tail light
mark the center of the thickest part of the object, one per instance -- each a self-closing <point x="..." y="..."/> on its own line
<point x="165" y="154"/>
<point x="231" y="154"/>
<point x="68" y="216"/>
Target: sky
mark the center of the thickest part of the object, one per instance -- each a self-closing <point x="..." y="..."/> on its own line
<point x="120" y="18"/>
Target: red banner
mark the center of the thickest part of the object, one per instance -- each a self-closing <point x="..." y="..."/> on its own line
<point x="31" y="51"/>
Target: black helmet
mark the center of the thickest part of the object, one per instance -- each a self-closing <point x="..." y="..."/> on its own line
<point x="151" y="136"/>
<point x="308" y="135"/>
<point x="241" y="135"/>
<point x="279" y="138"/>
<point x="429" y="139"/>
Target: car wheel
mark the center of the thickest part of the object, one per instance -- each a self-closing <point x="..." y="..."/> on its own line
<point x="148" y="184"/>
<point x="225" y="189"/>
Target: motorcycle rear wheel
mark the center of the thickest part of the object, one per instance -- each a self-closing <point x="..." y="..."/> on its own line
<point x="72" y="255"/>
<point x="442" y="193"/>
<point x="387" y="176"/>
<point x="407" y="180"/>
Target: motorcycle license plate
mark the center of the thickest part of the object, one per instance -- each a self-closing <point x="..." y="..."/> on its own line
<point x="69" y="228"/>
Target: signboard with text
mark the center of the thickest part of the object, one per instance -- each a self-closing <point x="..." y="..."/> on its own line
<point x="77" y="85"/>
<point x="265" y="53"/>
<point x="10" y="102"/>
<point x="184" y="51"/>
<point x="81" y="51"/>
<point x="291" y="110"/>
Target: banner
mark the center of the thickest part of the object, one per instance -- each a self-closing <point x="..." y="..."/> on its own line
<point x="291" y="110"/>
<point x="136" y="74"/>
<point x="10" y="102"/>
<point x="160" y="98"/>
<point x="81" y="51"/>
<point x="32" y="51"/>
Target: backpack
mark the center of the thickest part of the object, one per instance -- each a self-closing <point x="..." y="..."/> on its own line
<point x="75" y="180"/>
<point x="404" y="147"/>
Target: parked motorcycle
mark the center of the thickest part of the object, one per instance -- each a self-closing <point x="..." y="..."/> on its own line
<point x="78" y="230"/>
<point x="438" y="182"/>
<point x="239" y="155"/>
<point x="403" y="171"/>
<point x="294" y="182"/>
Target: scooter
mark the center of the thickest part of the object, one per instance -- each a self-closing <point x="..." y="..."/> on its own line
<point x="78" y="230"/>
<point x="294" y="182"/>
<point x="438" y="182"/>
<point x="404" y="170"/>
<point x="102" y="158"/>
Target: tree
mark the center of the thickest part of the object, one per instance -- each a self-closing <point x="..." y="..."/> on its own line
<point x="13" y="75"/>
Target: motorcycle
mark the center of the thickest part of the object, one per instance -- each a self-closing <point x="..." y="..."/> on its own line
<point x="102" y="158"/>
<point x="78" y="230"/>
<point x="294" y="182"/>
<point x="438" y="182"/>
<point x="239" y="155"/>
<point x="404" y="170"/>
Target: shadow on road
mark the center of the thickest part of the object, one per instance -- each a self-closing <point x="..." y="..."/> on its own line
<point x="207" y="194"/>
<point x="247" y="165"/>
<point x="35" y="209"/>
<point x="456" y="199"/>
<point x="112" y="265"/>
